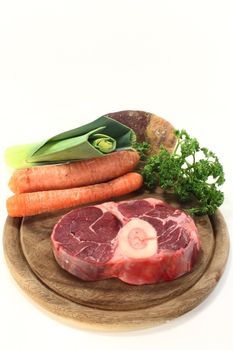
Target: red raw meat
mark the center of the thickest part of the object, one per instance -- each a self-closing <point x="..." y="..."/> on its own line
<point x="138" y="241"/>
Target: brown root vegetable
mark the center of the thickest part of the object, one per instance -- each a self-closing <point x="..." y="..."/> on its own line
<point x="148" y="127"/>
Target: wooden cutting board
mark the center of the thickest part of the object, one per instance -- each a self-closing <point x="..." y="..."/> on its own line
<point x="110" y="304"/>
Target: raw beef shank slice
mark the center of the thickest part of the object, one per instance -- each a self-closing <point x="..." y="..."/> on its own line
<point x="138" y="241"/>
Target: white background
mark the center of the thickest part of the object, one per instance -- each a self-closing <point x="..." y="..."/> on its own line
<point x="63" y="63"/>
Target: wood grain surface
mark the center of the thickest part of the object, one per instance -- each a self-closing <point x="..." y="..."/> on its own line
<point x="110" y="304"/>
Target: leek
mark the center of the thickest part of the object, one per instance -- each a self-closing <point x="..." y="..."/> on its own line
<point x="102" y="136"/>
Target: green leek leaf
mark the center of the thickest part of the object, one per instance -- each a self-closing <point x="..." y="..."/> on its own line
<point x="95" y="139"/>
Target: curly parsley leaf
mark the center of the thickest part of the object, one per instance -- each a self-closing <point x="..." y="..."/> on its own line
<point x="142" y="148"/>
<point x="190" y="172"/>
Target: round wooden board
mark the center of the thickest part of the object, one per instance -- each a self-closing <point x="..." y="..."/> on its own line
<point x="110" y="304"/>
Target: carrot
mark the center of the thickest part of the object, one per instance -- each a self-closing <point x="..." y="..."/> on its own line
<point x="26" y="204"/>
<point x="70" y="175"/>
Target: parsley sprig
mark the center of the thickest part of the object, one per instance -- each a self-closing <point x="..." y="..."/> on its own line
<point x="142" y="148"/>
<point x="191" y="172"/>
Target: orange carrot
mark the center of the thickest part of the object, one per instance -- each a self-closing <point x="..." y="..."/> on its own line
<point x="76" y="174"/>
<point x="26" y="204"/>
